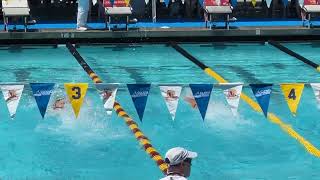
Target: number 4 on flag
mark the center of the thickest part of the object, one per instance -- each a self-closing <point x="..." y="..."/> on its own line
<point x="292" y="93"/>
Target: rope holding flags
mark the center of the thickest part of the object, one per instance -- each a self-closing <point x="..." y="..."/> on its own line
<point x="139" y="93"/>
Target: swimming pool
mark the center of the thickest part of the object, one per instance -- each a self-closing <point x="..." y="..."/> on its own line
<point x="98" y="147"/>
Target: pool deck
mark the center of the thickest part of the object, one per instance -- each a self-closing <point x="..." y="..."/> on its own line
<point x="161" y="34"/>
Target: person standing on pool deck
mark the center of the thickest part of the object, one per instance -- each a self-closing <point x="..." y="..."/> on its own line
<point x="179" y="161"/>
<point x="82" y="16"/>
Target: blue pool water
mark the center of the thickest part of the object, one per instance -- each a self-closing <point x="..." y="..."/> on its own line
<point x="99" y="147"/>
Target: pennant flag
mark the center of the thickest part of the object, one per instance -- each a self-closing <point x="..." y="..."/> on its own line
<point x="201" y="93"/>
<point x="42" y="93"/>
<point x="127" y="2"/>
<point x="146" y="1"/>
<point x="254" y="2"/>
<point x="268" y="3"/>
<point x="232" y="92"/>
<point x="285" y="3"/>
<point x="171" y="96"/>
<point x="234" y="3"/>
<point x="112" y="2"/>
<point x="12" y="95"/>
<point x="139" y="94"/>
<point x="201" y="3"/>
<point x="108" y="95"/>
<point x="166" y="2"/>
<point x="292" y="93"/>
<point x="262" y="92"/>
<point x="301" y="3"/>
<point x="76" y="93"/>
<point x="316" y="90"/>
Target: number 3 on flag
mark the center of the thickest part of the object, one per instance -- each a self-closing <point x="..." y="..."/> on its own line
<point x="76" y="93"/>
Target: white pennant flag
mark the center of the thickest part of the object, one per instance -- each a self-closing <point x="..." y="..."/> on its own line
<point x="12" y="95"/>
<point x="146" y="1"/>
<point x="232" y="92"/>
<point x="171" y="96"/>
<point x="108" y="95"/>
<point x="316" y="90"/>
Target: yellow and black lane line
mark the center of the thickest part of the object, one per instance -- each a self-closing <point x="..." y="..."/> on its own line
<point x="271" y="117"/>
<point x="294" y="54"/>
<point x="133" y="126"/>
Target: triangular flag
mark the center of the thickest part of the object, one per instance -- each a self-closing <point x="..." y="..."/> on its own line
<point x="202" y="93"/>
<point x="262" y="92"/>
<point x="316" y="90"/>
<point x="201" y="3"/>
<point x="166" y="2"/>
<point x="232" y="92"/>
<point x="146" y="1"/>
<point x="285" y="3"/>
<point x="12" y="95"/>
<point x="171" y="96"/>
<point x="268" y="3"/>
<point x="292" y="93"/>
<point x="182" y="1"/>
<point x="234" y="3"/>
<point x="112" y="2"/>
<point x="127" y="2"/>
<point x="139" y="94"/>
<point x="76" y="93"/>
<point x="42" y="93"/>
<point x="108" y="95"/>
<point x="301" y="3"/>
<point x="254" y="2"/>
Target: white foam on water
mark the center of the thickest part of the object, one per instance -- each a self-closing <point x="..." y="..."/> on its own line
<point x="220" y="116"/>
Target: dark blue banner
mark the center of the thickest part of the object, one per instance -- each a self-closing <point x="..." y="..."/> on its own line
<point x="262" y="92"/>
<point x="42" y="93"/>
<point x="201" y="94"/>
<point x="139" y="94"/>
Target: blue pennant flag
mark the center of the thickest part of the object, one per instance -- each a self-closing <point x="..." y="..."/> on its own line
<point x="234" y="3"/>
<point x="262" y="92"/>
<point x="201" y="3"/>
<point x="166" y="2"/>
<point x="42" y="93"/>
<point x="139" y="94"/>
<point x="201" y="94"/>
<point x="285" y="3"/>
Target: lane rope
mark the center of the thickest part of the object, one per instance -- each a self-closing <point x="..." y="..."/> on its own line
<point x="133" y="126"/>
<point x="294" y="54"/>
<point x="271" y="117"/>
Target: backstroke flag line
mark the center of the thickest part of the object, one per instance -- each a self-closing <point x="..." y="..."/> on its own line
<point x="232" y="92"/>
<point x="262" y="92"/>
<point x="171" y="96"/>
<point x="76" y="93"/>
<point x="139" y="94"/>
<point x="12" y="95"/>
<point x="108" y="95"/>
<point x="201" y="94"/>
<point x="292" y="93"/>
<point x="316" y="90"/>
<point x="42" y="93"/>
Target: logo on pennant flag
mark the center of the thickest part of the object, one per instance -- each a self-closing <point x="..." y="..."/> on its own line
<point x="171" y="96"/>
<point x="76" y="93"/>
<point x="292" y="93"/>
<point x="316" y="90"/>
<point x="262" y="92"/>
<point x="12" y="95"/>
<point x="42" y="93"/>
<point x="139" y="94"/>
<point x="232" y="92"/>
<point x="202" y="93"/>
<point x="108" y="95"/>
